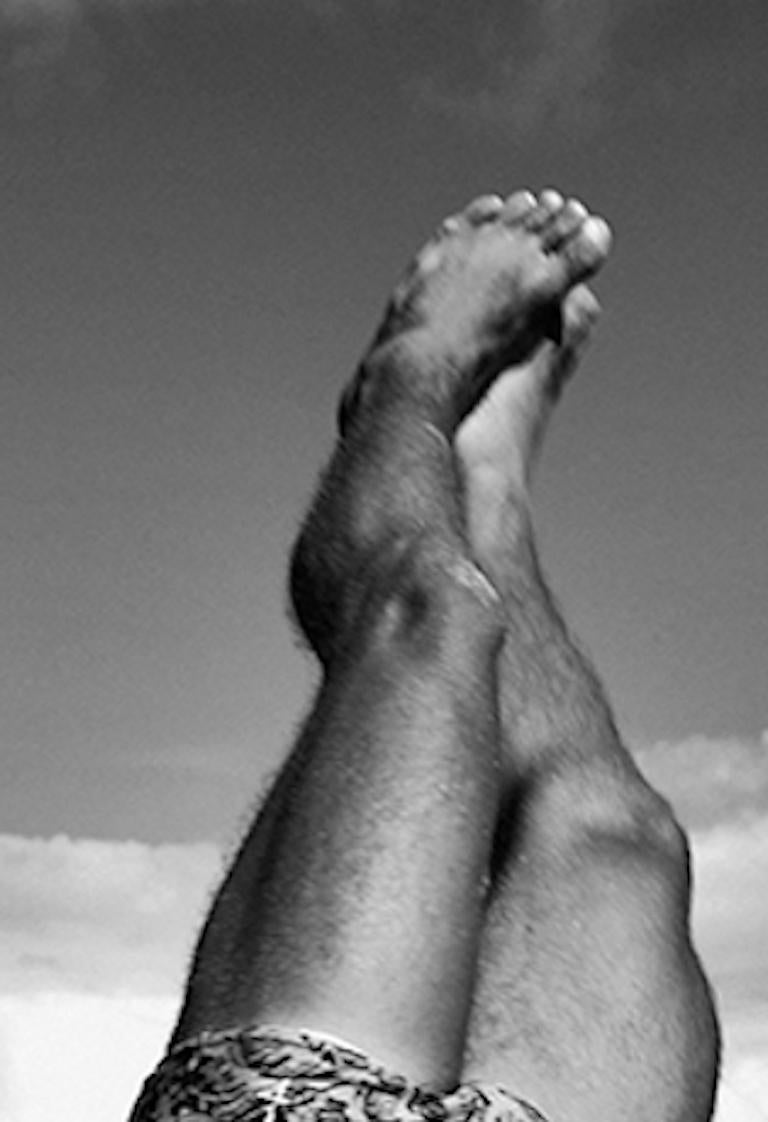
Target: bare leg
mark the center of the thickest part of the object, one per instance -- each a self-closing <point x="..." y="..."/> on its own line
<point x="590" y="1000"/>
<point x="354" y="906"/>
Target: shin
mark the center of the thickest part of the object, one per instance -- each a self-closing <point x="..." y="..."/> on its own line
<point x="354" y="905"/>
<point x="590" y="999"/>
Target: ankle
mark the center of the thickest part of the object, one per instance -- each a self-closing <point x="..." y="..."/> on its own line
<point x="407" y="374"/>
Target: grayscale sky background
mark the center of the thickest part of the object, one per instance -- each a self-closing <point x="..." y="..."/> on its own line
<point x="203" y="205"/>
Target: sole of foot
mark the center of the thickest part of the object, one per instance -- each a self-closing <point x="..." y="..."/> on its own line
<point x="497" y="445"/>
<point x="498" y="442"/>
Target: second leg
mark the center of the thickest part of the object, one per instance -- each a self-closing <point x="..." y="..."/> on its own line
<point x="590" y="1002"/>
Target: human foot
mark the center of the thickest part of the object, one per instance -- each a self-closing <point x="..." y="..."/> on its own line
<point x="497" y="445"/>
<point x="482" y="294"/>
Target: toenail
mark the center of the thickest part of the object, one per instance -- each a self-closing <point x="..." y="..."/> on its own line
<point x="519" y="203"/>
<point x="487" y="206"/>
<point x="576" y="208"/>
<point x="599" y="232"/>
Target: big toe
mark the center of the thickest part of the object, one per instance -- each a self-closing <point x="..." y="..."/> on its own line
<point x="587" y="249"/>
<point x="580" y="311"/>
<point x="563" y="224"/>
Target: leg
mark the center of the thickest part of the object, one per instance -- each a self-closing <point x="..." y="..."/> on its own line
<point x="590" y="1000"/>
<point x="354" y="905"/>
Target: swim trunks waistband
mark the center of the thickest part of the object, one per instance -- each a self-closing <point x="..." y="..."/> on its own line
<point x="269" y="1074"/>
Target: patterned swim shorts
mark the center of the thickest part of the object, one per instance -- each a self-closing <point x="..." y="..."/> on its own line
<point x="268" y="1074"/>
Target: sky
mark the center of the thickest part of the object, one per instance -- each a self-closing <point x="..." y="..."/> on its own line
<point x="203" y="205"/>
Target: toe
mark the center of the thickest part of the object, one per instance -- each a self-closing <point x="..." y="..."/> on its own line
<point x="551" y="200"/>
<point x="518" y="205"/>
<point x="588" y="248"/>
<point x="580" y="311"/>
<point x="563" y="224"/>
<point x="549" y="204"/>
<point x="484" y="209"/>
<point x="448" y="226"/>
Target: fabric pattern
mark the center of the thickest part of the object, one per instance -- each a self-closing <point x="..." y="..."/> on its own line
<point x="268" y="1074"/>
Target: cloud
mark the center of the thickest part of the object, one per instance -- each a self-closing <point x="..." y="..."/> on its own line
<point x="731" y="911"/>
<point x="99" y="1050"/>
<point x="574" y="66"/>
<point x="95" y="937"/>
<point x="37" y="32"/>
<point x="100" y="917"/>
<point x="546" y="67"/>
<point x="521" y="66"/>
<point x="77" y="1058"/>
<point x="743" y="1093"/>
<point x="537" y="65"/>
<point x="710" y="780"/>
<point x="722" y="787"/>
<point x="719" y="788"/>
<point x="54" y="45"/>
<point x="47" y="44"/>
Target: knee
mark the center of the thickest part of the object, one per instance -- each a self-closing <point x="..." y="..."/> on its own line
<point x="637" y="830"/>
<point x="644" y="820"/>
<point x="615" y="815"/>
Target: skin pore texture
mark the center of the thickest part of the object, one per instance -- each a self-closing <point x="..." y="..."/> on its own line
<point x="459" y="868"/>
